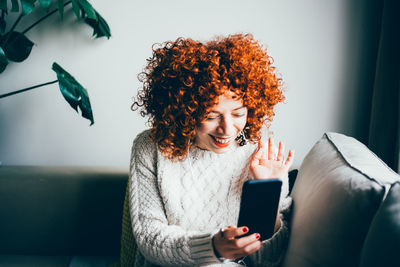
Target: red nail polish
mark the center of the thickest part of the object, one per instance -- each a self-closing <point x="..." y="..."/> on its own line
<point x="245" y="230"/>
<point x="257" y="236"/>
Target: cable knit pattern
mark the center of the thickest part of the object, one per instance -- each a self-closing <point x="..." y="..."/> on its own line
<point x="177" y="206"/>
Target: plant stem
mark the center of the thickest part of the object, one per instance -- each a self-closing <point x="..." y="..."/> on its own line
<point x="43" y="18"/>
<point x="12" y="29"/>
<point x="26" y="89"/>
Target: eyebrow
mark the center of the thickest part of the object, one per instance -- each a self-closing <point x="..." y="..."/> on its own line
<point x="214" y="111"/>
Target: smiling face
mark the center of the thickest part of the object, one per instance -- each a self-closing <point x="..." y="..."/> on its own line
<point x="217" y="132"/>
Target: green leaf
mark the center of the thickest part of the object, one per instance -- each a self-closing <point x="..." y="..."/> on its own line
<point x="76" y="8"/>
<point x="88" y="9"/>
<point x="2" y="25"/>
<point x="18" y="46"/>
<point x="45" y="4"/>
<point x="27" y="6"/>
<point x="3" y="5"/>
<point x="3" y="60"/>
<point x="100" y="26"/>
<point x="14" y="6"/>
<point x="73" y="92"/>
<point x="61" y="8"/>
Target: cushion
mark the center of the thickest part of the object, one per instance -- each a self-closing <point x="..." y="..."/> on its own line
<point x="382" y="244"/>
<point x="339" y="187"/>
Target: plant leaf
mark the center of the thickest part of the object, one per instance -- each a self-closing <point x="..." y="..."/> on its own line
<point x="61" y="8"/>
<point x="3" y="60"/>
<point x="73" y="92"/>
<point x="2" y="24"/>
<point x="3" y="5"/>
<point x="45" y="4"/>
<point x="14" y="6"/>
<point x="88" y="9"/>
<point x="100" y="26"/>
<point x="27" y="6"/>
<point x="76" y="8"/>
<point x="18" y="46"/>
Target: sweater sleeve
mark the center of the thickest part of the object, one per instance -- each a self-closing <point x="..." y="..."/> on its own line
<point x="159" y="242"/>
<point x="273" y="250"/>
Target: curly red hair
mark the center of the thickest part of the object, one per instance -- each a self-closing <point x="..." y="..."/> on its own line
<point x="183" y="79"/>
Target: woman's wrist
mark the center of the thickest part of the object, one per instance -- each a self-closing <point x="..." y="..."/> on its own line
<point x="219" y="257"/>
<point x="277" y="221"/>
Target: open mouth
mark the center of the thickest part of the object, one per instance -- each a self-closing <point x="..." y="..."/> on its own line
<point x="221" y="142"/>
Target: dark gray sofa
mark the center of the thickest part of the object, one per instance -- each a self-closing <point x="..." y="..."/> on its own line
<point x="60" y="216"/>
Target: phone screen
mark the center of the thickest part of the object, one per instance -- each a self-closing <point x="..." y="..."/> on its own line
<point x="259" y="206"/>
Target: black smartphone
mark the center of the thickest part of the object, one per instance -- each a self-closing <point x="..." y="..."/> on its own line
<point x="259" y="206"/>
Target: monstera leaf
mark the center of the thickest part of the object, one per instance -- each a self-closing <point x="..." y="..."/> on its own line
<point x="15" y="46"/>
<point x="100" y="26"/>
<point x="27" y="6"/>
<point x="2" y="25"/>
<point x="73" y="92"/>
<point x="3" y="7"/>
<point x="71" y="89"/>
<point x="87" y="8"/>
<point x="3" y="4"/>
<point x="3" y="60"/>
<point x="14" y="5"/>
<point x="92" y="18"/>
<point x="18" y="46"/>
<point x="45" y="4"/>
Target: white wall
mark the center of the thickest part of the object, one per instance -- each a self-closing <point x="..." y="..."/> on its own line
<point x="313" y="43"/>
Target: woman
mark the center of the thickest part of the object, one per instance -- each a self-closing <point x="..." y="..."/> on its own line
<point x="206" y="103"/>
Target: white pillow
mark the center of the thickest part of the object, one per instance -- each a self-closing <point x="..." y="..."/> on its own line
<point x="338" y="189"/>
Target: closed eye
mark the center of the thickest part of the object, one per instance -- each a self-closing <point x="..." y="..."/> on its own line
<point x="213" y="117"/>
<point x="239" y="115"/>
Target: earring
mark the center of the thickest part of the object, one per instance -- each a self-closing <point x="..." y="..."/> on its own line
<point x="241" y="139"/>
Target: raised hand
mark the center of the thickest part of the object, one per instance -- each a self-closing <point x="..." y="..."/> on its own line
<point x="266" y="165"/>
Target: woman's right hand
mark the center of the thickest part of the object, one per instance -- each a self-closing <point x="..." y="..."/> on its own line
<point x="266" y="165"/>
<point x="229" y="245"/>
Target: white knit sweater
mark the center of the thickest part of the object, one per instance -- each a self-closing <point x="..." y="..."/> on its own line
<point x="177" y="206"/>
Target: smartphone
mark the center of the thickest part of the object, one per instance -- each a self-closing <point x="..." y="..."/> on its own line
<point x="259" y="206"/>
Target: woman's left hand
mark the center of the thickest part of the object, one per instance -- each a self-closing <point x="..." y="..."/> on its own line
<point x="266" y="165"/>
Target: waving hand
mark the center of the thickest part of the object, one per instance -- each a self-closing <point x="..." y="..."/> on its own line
<point x="266" y="165"/>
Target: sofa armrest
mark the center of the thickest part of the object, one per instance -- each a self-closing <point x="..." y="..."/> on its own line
<point x="339" y="188"/>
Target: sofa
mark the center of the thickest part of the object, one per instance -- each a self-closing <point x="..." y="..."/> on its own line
<point x="346" y="211"/>
<point x="60" y="216"/>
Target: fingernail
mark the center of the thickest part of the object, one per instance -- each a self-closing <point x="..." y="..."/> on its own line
<point x="245" y="230"/>
<point x="257" y="236"/>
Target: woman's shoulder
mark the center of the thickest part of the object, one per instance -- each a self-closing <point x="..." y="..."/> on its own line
<point x="143" y="144"/>
<point x="143" y="136"/>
